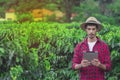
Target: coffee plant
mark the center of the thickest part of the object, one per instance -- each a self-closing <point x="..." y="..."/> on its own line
<point x="43" y="51"/>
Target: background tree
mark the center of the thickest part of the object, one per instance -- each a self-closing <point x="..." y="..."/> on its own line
<point x="106" y="10"/>
<point x="85" y="9"/>
<point x="2" y="8"/>
<point x="25" y="6"/>
<point x="66" y="7"/>
<point x="114" y="10"/>
<point x="103" y="6"/>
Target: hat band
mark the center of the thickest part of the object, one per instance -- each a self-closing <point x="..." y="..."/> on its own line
<point x="91" y="21"/>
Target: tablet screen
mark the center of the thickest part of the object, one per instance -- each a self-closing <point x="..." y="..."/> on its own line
<point x="90" y="56"/>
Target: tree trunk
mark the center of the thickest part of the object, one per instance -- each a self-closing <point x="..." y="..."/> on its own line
<point x="68" y="7"/>
<point x="102" y="5"/>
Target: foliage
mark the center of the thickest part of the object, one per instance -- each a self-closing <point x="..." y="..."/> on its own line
<point x="15" y="72"/>
<point x="26" y="17"/>
<point x="85" y="9"/>
<point x="114" y="9"/>
<point x="106" y="19"/>
<point x="108" y="10"/>
<point x="51" y="18"/>
<point x="43" y="51"/>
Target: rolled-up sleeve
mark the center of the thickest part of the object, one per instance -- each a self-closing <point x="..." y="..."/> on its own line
<point x="107" y="59"/>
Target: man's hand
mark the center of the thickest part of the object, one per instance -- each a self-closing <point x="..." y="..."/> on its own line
<point x="85" y="63"/>
<point x="95" y="62"/>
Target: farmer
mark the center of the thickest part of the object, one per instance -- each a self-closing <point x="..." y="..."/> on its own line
<point x="96" y="68"/>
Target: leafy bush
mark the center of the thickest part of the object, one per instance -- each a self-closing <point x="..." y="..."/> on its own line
<point x="15" y="72"/>
<point x="43" y="51"/>
<point x="26" y="17"/>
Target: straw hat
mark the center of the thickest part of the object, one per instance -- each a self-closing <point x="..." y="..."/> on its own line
<point x="92" y="20"/>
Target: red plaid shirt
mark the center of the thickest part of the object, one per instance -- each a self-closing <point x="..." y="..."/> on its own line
<point x="91" y="72"/>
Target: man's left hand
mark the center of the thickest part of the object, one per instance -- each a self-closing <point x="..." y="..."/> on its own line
<point x="95" y="62"/>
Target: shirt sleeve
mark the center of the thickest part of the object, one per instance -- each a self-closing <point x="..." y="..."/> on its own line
<point x="76" y="57"/>
<point x="107" y="59"/>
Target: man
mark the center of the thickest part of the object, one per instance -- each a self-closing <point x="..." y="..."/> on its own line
<point x="96" y="68"/>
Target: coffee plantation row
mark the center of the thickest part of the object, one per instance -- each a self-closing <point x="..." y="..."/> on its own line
<point x="43" y="51"/>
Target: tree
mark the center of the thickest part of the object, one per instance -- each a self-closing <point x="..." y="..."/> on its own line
<point x="66" y="6"/>
<point x="84" y="10"/>
<point x="103" y="6"/>
<point x="25" y="6"/>
<point x="114" y="8"/>
<point x="2" y="8"/>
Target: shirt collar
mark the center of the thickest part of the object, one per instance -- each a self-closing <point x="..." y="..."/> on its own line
<point x="85" y="40"/>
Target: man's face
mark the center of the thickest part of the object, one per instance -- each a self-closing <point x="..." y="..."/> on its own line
<point x="91" y="31"/>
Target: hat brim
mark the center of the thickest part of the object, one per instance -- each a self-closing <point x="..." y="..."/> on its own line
<point x="84" y="24"/>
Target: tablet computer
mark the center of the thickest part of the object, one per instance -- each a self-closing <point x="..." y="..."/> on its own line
<point x="90" y="56"/>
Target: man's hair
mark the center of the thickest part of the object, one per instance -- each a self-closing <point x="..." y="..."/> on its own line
<point x="91" y="24"/>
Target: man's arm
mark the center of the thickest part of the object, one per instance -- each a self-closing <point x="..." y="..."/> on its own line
<point x="107" y="61"/>
<point x="97" y="63"/>
<point x="77" y="57"/>
<point x="102" y="66"/>
<point x="84" y="63"/>
<point x="78" y="66"/>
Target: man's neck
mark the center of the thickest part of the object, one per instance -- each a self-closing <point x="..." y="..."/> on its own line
<point x="92" y="40"/>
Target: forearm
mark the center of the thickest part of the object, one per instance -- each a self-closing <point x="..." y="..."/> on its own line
<point x="102" y="66"/>
<point x="78" y="66"/>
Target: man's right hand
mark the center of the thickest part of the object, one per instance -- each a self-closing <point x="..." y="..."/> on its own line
<point x="84" y="63"/>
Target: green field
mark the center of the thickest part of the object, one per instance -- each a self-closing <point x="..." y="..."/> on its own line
<point x="43" y="51"/>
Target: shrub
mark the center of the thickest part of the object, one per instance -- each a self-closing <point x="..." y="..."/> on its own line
<point x="43" y="51"/>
